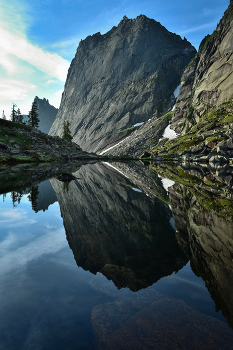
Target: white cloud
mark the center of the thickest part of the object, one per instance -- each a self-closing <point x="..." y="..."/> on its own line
<point x="49" y="243"/>
<point x="50" y="82"/>
<point x="15" y="218"/>
<point x="7" y="63"/>
<point x="13" y="90"/>
<point x="26" y="69"/>
<point x="49" y="63"/>
<point x="7" y="243"/>
<point x="56" y="99"/>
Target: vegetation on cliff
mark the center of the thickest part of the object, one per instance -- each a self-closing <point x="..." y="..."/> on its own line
<point x="20" y="143"/>
<point x="207" y="80"/>
<point x="211" y="136"/>
<point x="212" y="190"/>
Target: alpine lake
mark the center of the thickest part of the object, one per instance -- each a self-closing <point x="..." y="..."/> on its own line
<point x="117" y="256"/>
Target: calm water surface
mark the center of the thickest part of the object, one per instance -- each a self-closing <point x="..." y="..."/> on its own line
<point x="97" y="264"/>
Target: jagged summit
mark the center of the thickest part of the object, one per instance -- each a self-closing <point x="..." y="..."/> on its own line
<point x="47" y="114"/>
<point x="121" y="78"/>
<point x="127" y="24"/>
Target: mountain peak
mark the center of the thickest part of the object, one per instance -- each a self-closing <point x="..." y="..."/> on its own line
<point x="121" y="78"/>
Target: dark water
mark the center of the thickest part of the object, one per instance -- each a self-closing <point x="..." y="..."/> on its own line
<point x="97" y="263"/>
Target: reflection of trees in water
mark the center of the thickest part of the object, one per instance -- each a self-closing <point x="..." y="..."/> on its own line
<point x="65" y="187"/>
<point x="33" y="197"/>
<point x="16" y="197"/>
<point x="33" y="194"/>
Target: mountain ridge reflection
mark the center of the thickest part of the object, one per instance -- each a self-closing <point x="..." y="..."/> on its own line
<point x="207" y="240"/>
<point x="112" y="229"/>
<point x="130" y="238"/>
<point x="202" y="207"/>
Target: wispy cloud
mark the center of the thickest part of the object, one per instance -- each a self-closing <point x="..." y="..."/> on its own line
<point x="26" y="69"/>
<point x="10" y="218"/>
<point x="49" y="63"/>
<point x="67" y="48"/>
<point x="13" y="90"/>
<point x="50" y="242"/>
<point x="195" y="29"/>
<point x="7" y="63"/>
<point x="14" y="16"/>
<point x="66" y="43"/>
<point x="51" y="81"/>
<point x="207" y="12"/>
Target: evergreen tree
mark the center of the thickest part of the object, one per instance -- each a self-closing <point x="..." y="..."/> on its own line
<point x="19" y="117"/>
<point x="13" y="113"/>
<point x="66" y="131"/>
<point x="3" y="115"/>
<point x="33" y="117"/>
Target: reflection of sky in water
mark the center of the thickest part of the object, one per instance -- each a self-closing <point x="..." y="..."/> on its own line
<point x="26" y="235"/>
<point x="46" y="300"/>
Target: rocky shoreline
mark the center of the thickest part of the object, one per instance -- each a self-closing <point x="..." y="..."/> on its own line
<point x="20" y="143"/>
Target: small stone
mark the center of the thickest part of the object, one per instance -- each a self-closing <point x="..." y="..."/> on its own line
<point x="218" y="159"/>
<point x="15" y="151"/>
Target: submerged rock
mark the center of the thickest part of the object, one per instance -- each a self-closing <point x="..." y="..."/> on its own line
<point x="154" y="321"/>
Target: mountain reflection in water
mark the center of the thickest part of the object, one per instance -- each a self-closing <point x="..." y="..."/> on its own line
<point x="120" y="228"/>
<point x="117" y="231"/>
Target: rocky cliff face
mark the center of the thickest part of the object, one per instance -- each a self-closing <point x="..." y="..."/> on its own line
<point x="114" y="228"/>
<point x="208" y="80"/>
<point x="47" y="114"/>
<point x="121" y="78"/>
<point x="142" y="139"/>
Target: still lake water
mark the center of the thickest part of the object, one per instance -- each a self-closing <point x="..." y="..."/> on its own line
<point x="96" y="264"/>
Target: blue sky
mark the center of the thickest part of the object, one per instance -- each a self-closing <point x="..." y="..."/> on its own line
<point x="40" y="38"/>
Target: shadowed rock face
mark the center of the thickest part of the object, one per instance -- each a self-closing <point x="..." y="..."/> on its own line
<point x="207" y="240"/>
<point x="116" y="230"/>
<point x="121" y="78"/>
<point x="207" y="82"/>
